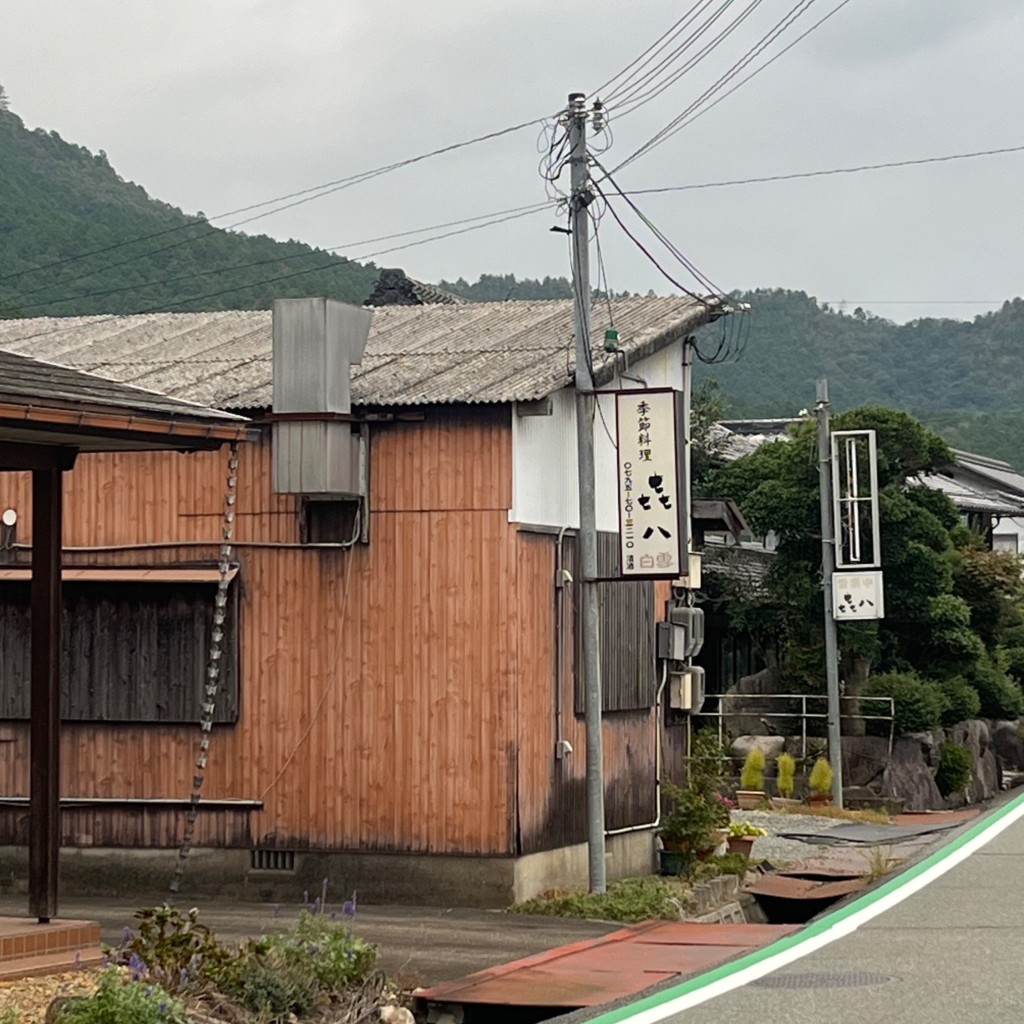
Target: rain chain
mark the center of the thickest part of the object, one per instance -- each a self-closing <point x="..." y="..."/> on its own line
<point x="212" y="686"/>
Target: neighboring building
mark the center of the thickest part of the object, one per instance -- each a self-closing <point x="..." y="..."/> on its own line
<point x="399" y="708"/>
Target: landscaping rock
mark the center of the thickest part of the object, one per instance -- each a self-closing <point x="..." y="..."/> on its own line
<point x="396" y="1015"/>
<point x="864" y="760"/>
<point x="986" y="779"/>
<point x="909" y="778"/>
<point x="1008" y="745"/>
<point x="931" y="744"/>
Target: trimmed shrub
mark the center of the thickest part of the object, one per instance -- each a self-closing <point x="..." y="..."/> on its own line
<point x="956" y="763"/>
<point x="1000" y="696"/>
<point x="786" y="765"/>
<point x="752" y="776"/>
<point x="820" y="780"/>
<point x="962" y="701"/>
<point x="918" y="704"/>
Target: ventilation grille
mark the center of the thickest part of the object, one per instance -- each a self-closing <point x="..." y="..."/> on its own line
<point x="271" y="860"/>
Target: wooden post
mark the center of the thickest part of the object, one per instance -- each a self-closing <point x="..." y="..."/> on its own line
<point x="44" y="783"/>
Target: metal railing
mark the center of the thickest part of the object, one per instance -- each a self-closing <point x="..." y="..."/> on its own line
<point x="803" y="714"/>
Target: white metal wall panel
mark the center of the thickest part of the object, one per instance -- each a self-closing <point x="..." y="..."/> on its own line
<point x="544" y="464"/>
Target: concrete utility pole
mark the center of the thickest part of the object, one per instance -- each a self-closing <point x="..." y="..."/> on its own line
<point x="585" y="402"/>
<point x="828" y="564"/>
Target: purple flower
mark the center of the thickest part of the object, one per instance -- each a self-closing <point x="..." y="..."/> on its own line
<point x="348" y="908"/>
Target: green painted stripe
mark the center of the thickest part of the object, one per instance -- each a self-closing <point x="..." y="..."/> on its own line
<point x="816" y="928"/>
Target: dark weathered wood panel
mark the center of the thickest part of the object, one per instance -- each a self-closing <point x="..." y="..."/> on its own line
<point x="551" y="793"/>
<point x="627" y="618"/>
<point x="132" y="652"/>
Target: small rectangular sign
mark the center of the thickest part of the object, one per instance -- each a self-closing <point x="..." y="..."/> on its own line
<point x="858" y="595"/>
<point x="652" y="487"/>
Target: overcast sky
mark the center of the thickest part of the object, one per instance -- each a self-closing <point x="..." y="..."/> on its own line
<point x="215" y="104"/>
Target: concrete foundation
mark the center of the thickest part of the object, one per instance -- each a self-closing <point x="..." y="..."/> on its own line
<point x="413" y="879"/>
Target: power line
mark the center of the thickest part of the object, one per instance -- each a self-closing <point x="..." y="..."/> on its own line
<point x="824" y="173"/>
<point x="209" y="272"/>
<point x="326" y="188"/>
<point x="663" y="39"/>
<point x="164" y="307"/>
<point x="639" y="97"/>
<point x="691" y="113"/>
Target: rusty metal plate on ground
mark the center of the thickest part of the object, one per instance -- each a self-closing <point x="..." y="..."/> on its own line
<point x="824" y="979"/>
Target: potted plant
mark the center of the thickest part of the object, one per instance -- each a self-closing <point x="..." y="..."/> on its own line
<point x="820" y="782"/>
<point x="687" y="829"/>
<point x="786" y="766"/>
<point x="741" y="837"/>
<point x="750" y="795"/>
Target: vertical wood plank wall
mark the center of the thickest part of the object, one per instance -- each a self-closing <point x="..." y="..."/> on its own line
<point x="399" y="696"/>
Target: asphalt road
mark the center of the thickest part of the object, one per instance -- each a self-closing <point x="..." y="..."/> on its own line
<point x="418" y="945"/>
<point x="952" y="952"/>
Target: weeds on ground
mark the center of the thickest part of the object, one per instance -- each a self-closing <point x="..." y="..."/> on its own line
<point x="629" y="900"/>
<point x="880" y="862"/>
<point x="11" y="1015"/>
<point x="866" y="815"/>
<point x="122" y="1000"/>
<point x="727" y="864"/>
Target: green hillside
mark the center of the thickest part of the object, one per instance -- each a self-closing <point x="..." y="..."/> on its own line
<point x="58" y="200"/>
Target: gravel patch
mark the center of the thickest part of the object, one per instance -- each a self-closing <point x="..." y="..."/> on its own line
<point x="780" y="852"/>
<point x="30" y="997"/>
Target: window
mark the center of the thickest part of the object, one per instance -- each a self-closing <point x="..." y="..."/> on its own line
<point x="134" y="651"/>
<point x="1005" y="542"/>
<point x="626" y="616"/>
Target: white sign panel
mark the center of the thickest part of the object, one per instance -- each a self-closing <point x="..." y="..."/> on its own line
<point x="858" y="595"/>
<point x="652" y="499"/>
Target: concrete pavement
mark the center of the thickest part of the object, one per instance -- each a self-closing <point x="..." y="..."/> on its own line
<point x="951" y="952"/>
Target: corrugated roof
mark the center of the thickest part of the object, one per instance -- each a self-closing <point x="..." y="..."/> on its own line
<point x="416" y="355"/>
<point x="971" y="499"/>
<point x="48" y="384"/>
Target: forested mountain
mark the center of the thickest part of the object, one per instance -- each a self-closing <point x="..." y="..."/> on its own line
<point x="58" y="200"/>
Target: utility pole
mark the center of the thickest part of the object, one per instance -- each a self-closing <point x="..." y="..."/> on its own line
<point x="580" y="199"/>
<point x="828" y="564"/>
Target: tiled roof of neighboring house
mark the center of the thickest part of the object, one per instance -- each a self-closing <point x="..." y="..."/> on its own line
<point x="415" y="355"/>
<point x="394" y="288"/>
<point x="1000" y="473"/>
<point x="972" y="499"/>
<point x="744" y="565"/>
<point x="50" y="385"/>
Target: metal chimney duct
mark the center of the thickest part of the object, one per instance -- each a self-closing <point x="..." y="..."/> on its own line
<point x="316" y="343"/>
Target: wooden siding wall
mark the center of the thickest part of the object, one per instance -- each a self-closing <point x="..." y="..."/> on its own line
<point x="397" y="697"/>
<point x="378" y="686"/>
<point x="133" y="652"/>
<point x="551" y="793"/>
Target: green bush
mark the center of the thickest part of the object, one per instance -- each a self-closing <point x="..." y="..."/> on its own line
<point x="918" y="704"/>
<point x="820" y="779"/>
<point x="1015" y="662"/>
<point x="629" y="900"/>
<point x="956" y="763"/>
<point x="752" y="776"/>
<point x="1000" y="696"/>
<point x="300" y="969"/>
<point x="172" y="949"/>
<point x="962" y="701"/>
<point x="118" y="1000"/>
<point x="786" y="766"/>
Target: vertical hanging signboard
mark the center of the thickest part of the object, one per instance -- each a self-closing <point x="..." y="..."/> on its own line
<point x="653" y="490"/>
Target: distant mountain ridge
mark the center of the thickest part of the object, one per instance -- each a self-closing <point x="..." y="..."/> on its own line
<point x="58" y="200"/>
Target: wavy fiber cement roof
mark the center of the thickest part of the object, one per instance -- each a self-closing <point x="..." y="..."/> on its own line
<point x="44" y="384"/>
<point x="415" y="355"/>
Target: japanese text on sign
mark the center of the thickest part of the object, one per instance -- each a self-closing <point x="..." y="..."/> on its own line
<point x="652" y="528"/>
<point x="858" y="595"/>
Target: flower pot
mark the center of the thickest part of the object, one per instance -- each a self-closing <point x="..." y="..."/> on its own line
<point x="749" y="799"/>
<point x="820" y="799"/>
<point x="780" y="803"/>
<point x="673" y="862"/>
<point x="741" y="845"/>
<point x="715" y="844"/>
